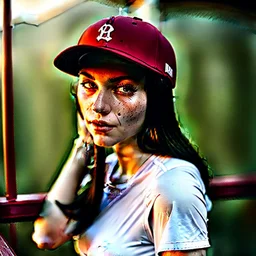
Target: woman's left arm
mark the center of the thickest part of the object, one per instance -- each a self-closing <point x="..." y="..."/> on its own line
<point x="200" y="252"/>
<point x="178" y="218"/>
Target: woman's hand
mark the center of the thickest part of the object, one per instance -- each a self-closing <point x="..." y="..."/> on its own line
<point x="49" y="228"/>
<point x="199" y="252"/>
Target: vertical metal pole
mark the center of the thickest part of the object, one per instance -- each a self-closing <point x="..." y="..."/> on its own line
<point x="7" y="105"/>
<point x="13" y="236"/>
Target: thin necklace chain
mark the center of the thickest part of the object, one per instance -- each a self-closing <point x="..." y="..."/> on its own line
<point x="116" y="176"/>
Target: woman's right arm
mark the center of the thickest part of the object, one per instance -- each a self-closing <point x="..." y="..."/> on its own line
<point x="49" y="228"/>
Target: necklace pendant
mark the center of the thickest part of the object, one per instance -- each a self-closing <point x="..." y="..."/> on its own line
<point x="113" y="191"/>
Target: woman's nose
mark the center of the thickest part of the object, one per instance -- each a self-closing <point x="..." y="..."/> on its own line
<point x="102" y="103"/>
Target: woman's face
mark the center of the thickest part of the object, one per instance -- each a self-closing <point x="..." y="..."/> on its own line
<point x="113" y="102"/>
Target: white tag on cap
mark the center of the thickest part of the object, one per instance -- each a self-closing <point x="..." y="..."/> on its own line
<point x="105" y="31"/>
<point x="168" y="70"/>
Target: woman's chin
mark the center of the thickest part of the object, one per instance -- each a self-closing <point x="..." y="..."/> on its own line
<point x="106" y="143"/>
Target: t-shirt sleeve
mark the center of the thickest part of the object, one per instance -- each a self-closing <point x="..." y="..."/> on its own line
<point x="179" y="214"/>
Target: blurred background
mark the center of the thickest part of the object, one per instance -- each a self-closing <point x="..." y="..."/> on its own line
<point x="215" y="99"/>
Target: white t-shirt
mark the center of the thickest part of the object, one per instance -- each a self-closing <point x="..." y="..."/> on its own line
<point x="163" y="207"/>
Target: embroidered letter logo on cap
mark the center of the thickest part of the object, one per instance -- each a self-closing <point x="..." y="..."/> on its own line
<point x="168" y="70"/>
<point x="105" y="31"/>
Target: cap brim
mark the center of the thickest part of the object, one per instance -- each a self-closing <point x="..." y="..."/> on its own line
<point x="68" y="60"/>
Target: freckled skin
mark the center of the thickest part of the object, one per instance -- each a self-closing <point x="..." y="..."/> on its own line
<point x="120" y="103"/>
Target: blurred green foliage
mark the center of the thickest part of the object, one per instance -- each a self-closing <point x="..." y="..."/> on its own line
<point x="215" y="99"/>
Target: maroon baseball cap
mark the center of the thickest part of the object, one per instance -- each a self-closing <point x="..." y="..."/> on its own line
<point x="130" y="38"/>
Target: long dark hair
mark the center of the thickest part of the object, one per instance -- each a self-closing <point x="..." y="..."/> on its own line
<point x="162" y="132"/>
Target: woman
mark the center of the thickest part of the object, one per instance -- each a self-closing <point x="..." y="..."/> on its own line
<point x="149" y="196"/>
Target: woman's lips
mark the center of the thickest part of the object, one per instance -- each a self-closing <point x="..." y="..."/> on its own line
<point x="101" y="126"/>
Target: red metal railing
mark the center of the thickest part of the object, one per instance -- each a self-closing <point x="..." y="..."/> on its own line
<point x="24" y="208"/>
<point x="230" y="187"/>
<point x="27" y="207"/>
<point x="7" y="104"/>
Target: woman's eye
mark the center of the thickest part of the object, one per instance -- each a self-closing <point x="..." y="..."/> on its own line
<point x="126" y="89"/>
<point x="88" y="85"/>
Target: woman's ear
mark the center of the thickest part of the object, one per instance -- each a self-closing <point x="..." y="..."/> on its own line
<point x="73" y="87"/>
<point x="73" y="91"/>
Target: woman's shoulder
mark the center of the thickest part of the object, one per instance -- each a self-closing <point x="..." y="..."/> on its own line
<point x="175" y="166"/>
<point x="176" y="173"/>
